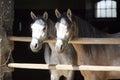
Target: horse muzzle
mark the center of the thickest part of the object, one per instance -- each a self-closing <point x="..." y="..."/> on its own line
<point x="60" y="46"/>
<point x="35" y="45"/>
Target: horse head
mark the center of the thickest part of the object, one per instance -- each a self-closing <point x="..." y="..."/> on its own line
<point x="39" y="31"/>
<point x="63" y="29"/>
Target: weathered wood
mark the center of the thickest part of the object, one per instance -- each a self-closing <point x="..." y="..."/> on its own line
<point x="64" y="67"/>
<point x="5" y="72"/>
<point x="1" y="78"/>
<point x="6" y="23"/>
<point x="7" y="15"/>
<point x="76" y="41"/>
<point x="20" y="39"/>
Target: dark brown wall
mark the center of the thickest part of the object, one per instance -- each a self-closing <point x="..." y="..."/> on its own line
<point x="49" y="4"/>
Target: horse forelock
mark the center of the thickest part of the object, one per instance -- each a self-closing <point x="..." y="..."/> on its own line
<point x="41" y="21"/>
<point x="64" y="20"/>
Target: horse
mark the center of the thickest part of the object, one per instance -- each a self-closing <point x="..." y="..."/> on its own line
<point x="69" y="27"/>
<point x="42" y="29"/>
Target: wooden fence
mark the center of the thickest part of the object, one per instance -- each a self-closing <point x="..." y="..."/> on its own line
<point x="76" y="41"/>
<point x="68" y="67"/>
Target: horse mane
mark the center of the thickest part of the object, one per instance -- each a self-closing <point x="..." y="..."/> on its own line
<point x="66" y="19"/>
<point x="87" y="30"/>
<point x="84" y="29"/>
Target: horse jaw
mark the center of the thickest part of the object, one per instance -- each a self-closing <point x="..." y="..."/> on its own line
<point x="35" y="45"/>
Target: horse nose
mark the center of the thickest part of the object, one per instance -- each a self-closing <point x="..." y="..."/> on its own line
<point x="59" y="49"/>
<point x="59" y="46"/>
<point x="34" y="45"/>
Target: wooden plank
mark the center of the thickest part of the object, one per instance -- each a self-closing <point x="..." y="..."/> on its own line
<point x="0" y="53"/>
<point x="20" y="39"/>
<point x="64" y="67"/>
<point x="1" y="78"/>
<point x="75" y="41"/>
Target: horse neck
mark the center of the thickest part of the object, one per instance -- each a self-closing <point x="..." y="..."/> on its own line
<point x="84" y="29"/>
<point x="51" y="29"/>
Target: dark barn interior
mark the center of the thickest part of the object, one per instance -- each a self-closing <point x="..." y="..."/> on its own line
<point x="82" y="8"/>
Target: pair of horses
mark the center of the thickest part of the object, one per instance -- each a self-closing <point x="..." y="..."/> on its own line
<point x="42" y="29"/>
<point x="67" y="27"/>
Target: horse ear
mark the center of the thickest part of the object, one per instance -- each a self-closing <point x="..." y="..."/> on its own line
<point x="57" y="13"/>
<point x="45" y="15"/>
<point x="69" y="14"/>
<point x="33" y="16"/>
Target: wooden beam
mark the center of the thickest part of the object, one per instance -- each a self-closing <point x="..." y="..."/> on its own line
<point x="75" y="41"/>
<point x="64" y="67"/>
<point x="0" y="54"/>
<point x="20" y="39"/>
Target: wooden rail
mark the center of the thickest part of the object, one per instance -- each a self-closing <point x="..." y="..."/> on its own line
<point x="68" y="67"/>
<point x="75" y="41"/>
<point x="64" y="67"/>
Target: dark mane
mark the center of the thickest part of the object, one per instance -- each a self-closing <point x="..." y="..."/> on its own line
<point x="40" y="20"/>
<point x="65" y="18"/>
<point x="86" y="30"/>
<point x="41" y="17"/>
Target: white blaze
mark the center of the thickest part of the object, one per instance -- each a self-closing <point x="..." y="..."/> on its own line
<point x="61" y="31"/>
<point x="37" y="31"/>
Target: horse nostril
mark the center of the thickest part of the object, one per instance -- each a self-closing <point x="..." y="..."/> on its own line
<point x="36" y="45"/>
<point x="61" y="48"/>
